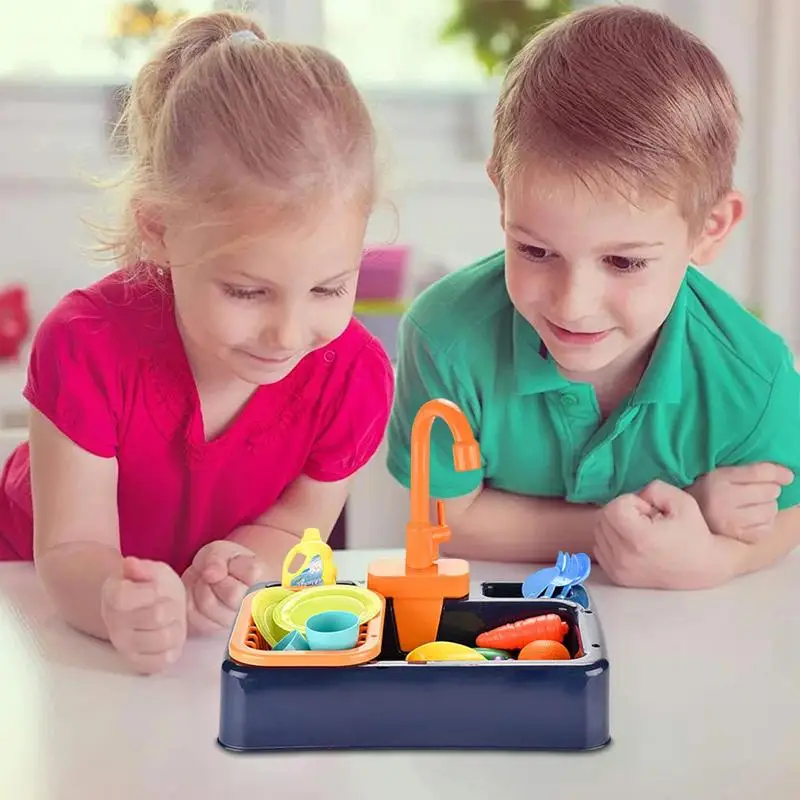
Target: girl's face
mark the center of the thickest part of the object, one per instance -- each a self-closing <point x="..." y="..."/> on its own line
<point x="252" y="312"/>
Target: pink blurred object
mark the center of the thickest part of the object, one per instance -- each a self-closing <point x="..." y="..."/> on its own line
<point x="15" y="322"/>
<point x="383" y="271"/>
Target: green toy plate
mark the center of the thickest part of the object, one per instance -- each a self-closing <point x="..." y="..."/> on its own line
<point x="293" y="612"/>
<point x="262" y="609"/>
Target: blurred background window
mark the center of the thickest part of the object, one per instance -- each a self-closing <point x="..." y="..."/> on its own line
<point x="84" y="40"/>
<point x="437" y="44"/>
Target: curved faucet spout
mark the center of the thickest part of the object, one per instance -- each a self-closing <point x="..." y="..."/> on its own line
<point x="422" y="536"/>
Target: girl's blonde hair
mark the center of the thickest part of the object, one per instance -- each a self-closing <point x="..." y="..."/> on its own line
<point x="222" y="120"/>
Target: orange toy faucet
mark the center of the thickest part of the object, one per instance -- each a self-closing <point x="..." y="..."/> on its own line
<point x="419" y="584"/>
<point x="422" y="537"/>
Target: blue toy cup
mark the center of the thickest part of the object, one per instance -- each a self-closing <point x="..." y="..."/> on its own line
<point x="332" y="630"/>
<point x="294" y="640"/>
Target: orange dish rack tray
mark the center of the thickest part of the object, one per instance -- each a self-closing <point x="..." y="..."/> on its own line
<point x="248" y="646"/>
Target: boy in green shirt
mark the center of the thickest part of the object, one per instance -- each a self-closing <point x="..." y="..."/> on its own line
<point x="625" y="405"/>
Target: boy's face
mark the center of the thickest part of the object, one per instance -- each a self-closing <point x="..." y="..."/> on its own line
<point x="595" y="275"/>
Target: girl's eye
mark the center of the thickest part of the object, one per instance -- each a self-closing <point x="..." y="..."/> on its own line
<point x="533" y="253"/>
<point x="622" y="264"/>
<point x="240" y="293"/>
<point x="335" y="291"/>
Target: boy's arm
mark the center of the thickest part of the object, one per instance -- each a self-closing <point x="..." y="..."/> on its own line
<point x="781" y="540"/>
<point x="775" y="439"/>
<point x="491" y="525"/>
<point x="487" y="524"/>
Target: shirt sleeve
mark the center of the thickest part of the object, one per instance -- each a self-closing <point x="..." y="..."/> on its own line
<point x="73" y="375"/>
<point x="358" y="422"/>
<point x="424" y="373"/>
<point x="776" y="435"/>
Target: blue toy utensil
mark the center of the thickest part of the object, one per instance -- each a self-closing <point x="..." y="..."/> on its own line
<point x="569" y="572"/>
<point x="580" y="567"/>
<point x="537" y="582"/>
<point x="576" y="572"/>
<point x="578" y="594"/>
<point x="561" y="582"/>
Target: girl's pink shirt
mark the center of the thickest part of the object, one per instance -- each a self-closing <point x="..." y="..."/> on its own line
<point x="109" y="370"/>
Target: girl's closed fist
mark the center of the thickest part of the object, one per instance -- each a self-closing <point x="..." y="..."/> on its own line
<point x="216" y="583"/>
<point x="145" y="614"/>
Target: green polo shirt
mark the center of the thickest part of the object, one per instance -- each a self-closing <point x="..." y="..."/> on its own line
<point x="720" y="389"/>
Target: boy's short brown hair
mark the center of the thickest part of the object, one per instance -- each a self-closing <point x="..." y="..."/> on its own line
<point x="622" y="94"/>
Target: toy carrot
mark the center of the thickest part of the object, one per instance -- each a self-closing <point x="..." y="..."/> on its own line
<point x="516" y="635"/>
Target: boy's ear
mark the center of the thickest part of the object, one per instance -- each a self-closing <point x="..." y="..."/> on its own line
<point x="152" y="231"/>
<point x="722" y="219"/>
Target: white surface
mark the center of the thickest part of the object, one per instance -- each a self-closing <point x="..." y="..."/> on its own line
<point x="704" y="707"/>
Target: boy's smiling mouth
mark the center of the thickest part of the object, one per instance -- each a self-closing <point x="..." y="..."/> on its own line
<point x="577" y="337"/>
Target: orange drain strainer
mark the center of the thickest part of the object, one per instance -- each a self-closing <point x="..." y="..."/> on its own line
<point x="247" y="646"/>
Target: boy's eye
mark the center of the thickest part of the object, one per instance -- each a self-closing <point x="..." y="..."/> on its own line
<point x="532" y="252"/>
<point x="622" y="264"/>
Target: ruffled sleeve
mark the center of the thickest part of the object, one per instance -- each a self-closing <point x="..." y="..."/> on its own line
<point x="74" y="375"/>
<point x="357" y="419"/>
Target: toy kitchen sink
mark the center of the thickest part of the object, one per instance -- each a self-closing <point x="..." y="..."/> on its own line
<point x="434" y="663"/>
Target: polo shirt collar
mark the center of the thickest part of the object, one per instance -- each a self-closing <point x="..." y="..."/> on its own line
<point x="662" y="379"/>
<point x="535" y="372"/>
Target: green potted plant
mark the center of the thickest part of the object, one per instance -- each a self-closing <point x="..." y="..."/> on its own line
<point x="498" y="29"/>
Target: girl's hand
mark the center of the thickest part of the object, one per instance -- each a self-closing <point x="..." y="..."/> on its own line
<point x="145" y="614"/>
<point x="659" y="539"/>
<point x="741" y="502"/>
<point x="216" y="582"/>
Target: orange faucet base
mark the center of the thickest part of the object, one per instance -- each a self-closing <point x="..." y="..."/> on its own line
<point x="418" y="595"/>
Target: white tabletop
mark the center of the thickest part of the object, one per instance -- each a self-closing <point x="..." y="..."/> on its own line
<point x="705" y="695"/>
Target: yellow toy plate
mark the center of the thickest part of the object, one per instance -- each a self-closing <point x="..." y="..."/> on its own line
<point x="264" y="602"/>
<point x="293" y="612"/>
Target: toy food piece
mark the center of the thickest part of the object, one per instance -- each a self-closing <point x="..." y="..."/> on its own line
<point x="544" y="650"/>
<point x="492" y="654"/>
<point x="317" y="567"/>
<point x="516" y="635"/>
<point x="293" y="612"/>
<point x="444" y="651"/>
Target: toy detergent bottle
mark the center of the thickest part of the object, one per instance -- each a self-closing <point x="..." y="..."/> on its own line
<point x="317" y="568"/>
